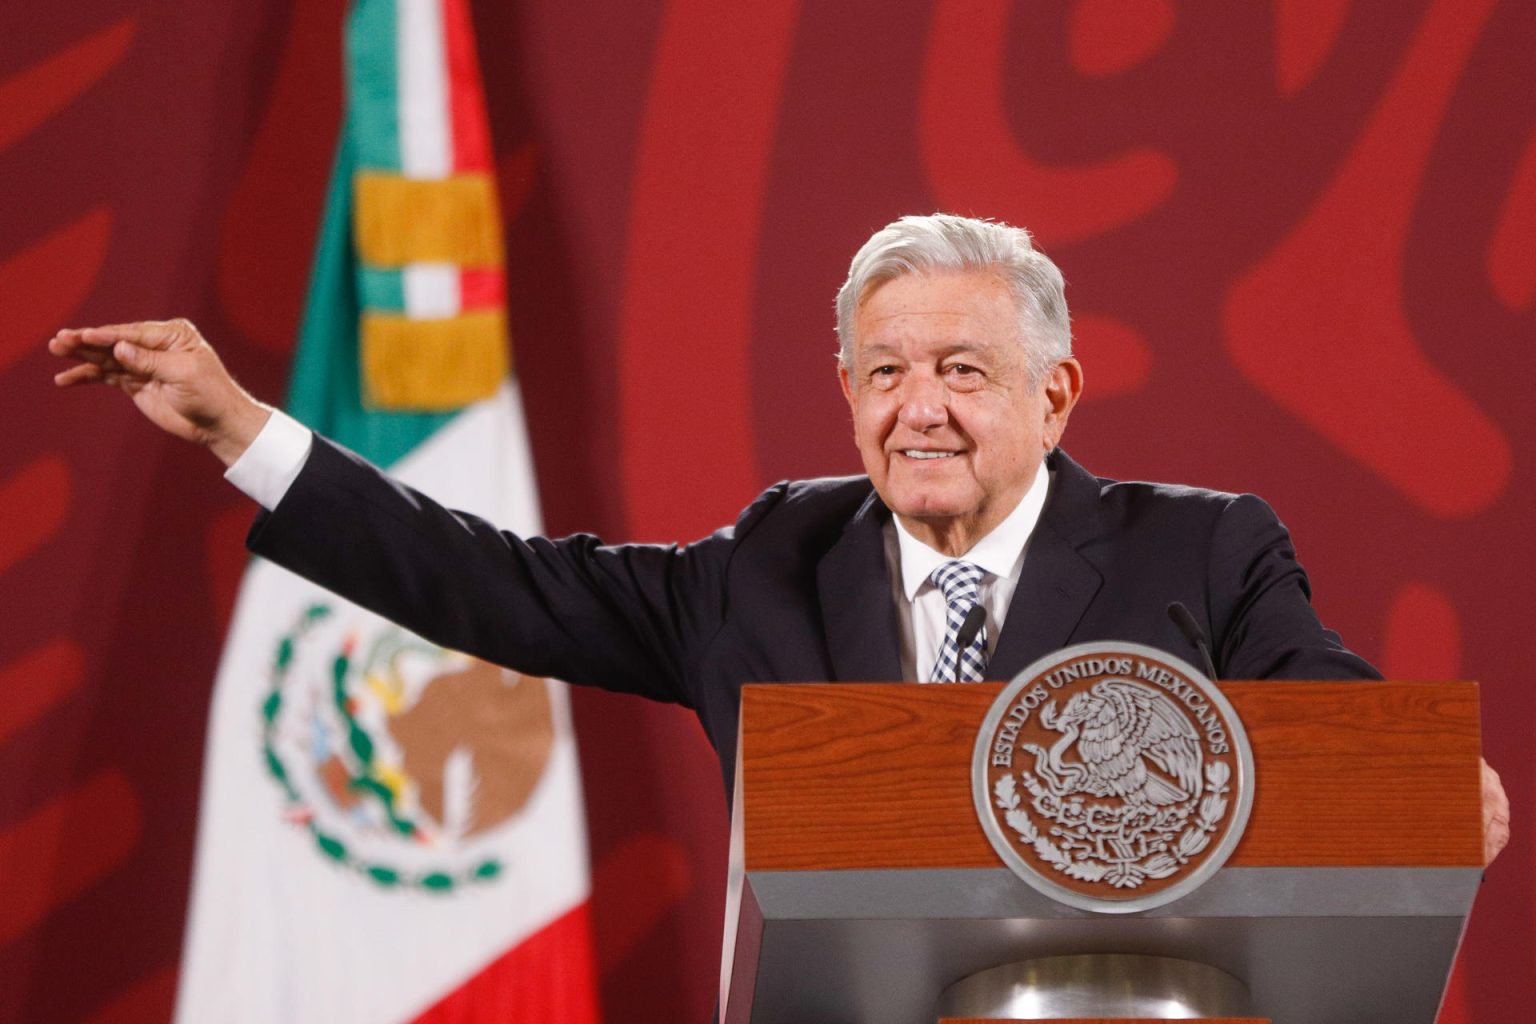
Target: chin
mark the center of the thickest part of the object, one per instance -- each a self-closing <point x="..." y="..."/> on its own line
<point x="931" y="507"/>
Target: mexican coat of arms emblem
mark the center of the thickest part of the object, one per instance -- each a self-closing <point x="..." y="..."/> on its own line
<point x="1113" y="777"/>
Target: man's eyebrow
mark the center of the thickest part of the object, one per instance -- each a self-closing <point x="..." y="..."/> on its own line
<point x="953" y="348"/>
<point x="959" y="347"/>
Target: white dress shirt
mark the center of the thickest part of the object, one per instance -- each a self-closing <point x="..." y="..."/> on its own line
<point x="269" y="466"/>
<point x="266" y="469"/>
<point x="921" y="611"/>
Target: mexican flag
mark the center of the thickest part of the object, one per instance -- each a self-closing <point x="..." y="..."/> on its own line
<point x="391" y="831"/>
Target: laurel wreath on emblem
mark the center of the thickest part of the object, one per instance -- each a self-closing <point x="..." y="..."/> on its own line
<point x="1071" y="852"/>
<point x="363" y="780"/>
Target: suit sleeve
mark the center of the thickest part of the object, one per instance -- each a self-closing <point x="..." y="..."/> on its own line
<point x="1265" y="626"/>
<point x="624" y="617"/>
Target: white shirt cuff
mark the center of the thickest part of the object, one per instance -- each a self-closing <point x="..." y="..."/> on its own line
<point x="266" y="469"/>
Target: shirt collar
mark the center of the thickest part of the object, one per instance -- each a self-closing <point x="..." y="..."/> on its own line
<point x="1000" y="552"/>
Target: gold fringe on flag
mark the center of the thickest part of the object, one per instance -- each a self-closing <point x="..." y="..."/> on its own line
<point x="432" y="365"/>
<point x="412" y="220"/>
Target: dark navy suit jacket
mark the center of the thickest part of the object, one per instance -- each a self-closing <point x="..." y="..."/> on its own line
<point x="797" y="589"/>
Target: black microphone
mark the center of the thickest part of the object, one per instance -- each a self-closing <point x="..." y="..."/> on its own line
<point x="966" y="634"/>
<point x="1193" y="633"/>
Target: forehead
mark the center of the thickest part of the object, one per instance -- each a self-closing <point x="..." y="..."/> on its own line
<point x="969" y="308"/>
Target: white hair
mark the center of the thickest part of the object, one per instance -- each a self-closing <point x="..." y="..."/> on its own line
<point x="943" y="242"/>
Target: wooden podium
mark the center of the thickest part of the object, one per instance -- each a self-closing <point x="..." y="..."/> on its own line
<point x="862" y="885"/>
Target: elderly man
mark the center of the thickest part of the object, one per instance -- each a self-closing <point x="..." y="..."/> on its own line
<point x="956" y="363"/>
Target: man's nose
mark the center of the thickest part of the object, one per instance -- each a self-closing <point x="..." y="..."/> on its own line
<point x="923" y="405"/>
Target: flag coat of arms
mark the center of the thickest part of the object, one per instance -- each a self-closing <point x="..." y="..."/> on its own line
<point x="391" y="831"/>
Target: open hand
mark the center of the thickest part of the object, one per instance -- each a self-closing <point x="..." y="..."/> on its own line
<point x="1495" y="814"/>
<point x="172" y="374"/>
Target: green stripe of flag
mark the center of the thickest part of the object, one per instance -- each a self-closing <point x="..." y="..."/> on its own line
<point x="373" y="83"/>
<point x="382" y="291"/>
<point x="324" y="393"/>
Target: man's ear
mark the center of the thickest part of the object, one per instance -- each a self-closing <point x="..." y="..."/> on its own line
<point x="845" y="381"/>
<point x="1063" y="387"/>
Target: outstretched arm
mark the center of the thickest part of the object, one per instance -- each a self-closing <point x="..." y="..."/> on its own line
<point x="172" y="374"/>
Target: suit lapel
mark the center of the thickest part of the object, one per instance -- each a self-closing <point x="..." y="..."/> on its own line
<point x="857" y="611"/>
<point x="1057" y="583"/>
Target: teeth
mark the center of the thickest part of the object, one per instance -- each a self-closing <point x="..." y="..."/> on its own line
<point x="913" y="453"/>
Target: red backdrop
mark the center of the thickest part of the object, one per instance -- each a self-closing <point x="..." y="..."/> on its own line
<point x="1300" y="239"/>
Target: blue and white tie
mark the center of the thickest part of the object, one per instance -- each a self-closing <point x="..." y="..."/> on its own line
<point x="960" y="582"/>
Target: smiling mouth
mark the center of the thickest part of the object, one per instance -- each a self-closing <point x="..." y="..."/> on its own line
<point x="913" y="453"/>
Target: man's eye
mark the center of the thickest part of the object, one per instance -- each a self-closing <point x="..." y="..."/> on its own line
<point x="964" y="376"/>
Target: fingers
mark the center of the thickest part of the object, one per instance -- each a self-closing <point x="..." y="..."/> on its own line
<point x="99" y="356"/>
<point x="135" y="359"/>
<point x="96" y="365"/>
<point x="148" y="334"/>
<point x="103" y="359"/>
<point x="93" y="373"/>
<point x="115" y="357"/>
<point x="92" y="343"/>
<point x="68" y="343"/>
<point x="140" y="363"/>
<point x="1495" y="814"/>
<point x="85" y="373"/>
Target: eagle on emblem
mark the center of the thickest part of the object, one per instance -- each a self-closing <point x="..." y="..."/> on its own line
<point x="1131" y="742"/>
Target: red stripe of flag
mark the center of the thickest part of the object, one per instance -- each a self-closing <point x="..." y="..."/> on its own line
<point x="466" y="97"/>
<point x="482" y="288"/>
<point x="548" y="978"/>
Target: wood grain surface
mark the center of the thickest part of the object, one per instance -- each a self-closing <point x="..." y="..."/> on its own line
<point x="856" y="775"/>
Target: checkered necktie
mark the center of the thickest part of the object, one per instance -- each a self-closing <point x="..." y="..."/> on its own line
<point x="960" y="582"/>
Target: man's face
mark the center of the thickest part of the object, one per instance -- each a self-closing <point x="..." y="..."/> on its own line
<point x="949" y="426"/>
